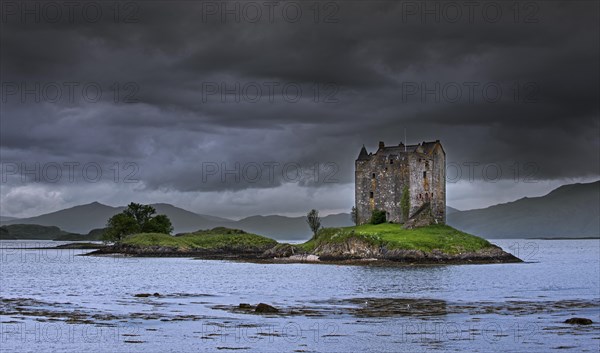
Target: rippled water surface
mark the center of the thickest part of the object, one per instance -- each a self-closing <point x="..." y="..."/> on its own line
<point x="55" y="300"/>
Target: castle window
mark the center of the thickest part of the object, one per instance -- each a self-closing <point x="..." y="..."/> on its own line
<point x="371" y="195"/>
<point x="391" y="161"/>
<point x="373" y="176"/>
<point x="424" y="175"/>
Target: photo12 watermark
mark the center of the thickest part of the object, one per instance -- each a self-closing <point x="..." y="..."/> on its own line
<point x="290" y="332"/>
<point x="488" y="331"/>
<point x="44" y="252"/>
<point x="269" y="12"/>
<point x="69" y="172"/>
<point x="69" y="12"/>
<point x="268" y="91"/>
<point x="66" y="332"/>
<point x="470" y="171"/>
<point x="269" y="173"/>
<point x="68" y="92"/>
<point x="525" y="250"/>
<point x="469" y="12"/>
<point x="468" y="92"/>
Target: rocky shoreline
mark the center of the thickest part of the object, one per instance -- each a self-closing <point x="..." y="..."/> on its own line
<point x="351" y="252"/>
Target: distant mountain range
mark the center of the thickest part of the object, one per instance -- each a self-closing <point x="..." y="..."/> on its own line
<point x="81" y="219"/>
<point x="568" y="211"/>
<point x="5" y="219"/>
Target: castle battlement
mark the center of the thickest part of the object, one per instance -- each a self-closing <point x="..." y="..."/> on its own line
<point x="381" y="178"/>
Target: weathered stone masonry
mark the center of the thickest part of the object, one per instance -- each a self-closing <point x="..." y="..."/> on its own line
<point x="381" y="177"/>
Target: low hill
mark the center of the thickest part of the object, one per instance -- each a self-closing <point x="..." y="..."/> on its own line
<point x="33" y="231"/>
<point x="79" y="219"/>
<point x="6" y="218"/>
<point x="220" y="241"/>
<point x="93" y="235"/>
<point x="568" y="211"/>
<point x="5" y="235"/>
<point x="451" y="210"/>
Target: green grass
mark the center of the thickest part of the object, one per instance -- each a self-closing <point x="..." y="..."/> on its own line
<point x="218" y="238"/>
<point x="393" y="236"/>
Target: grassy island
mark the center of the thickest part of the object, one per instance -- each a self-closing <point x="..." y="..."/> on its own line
<point x="435" y="237"/>
<point x="382" y="243"/>
<point x="220" y="238"/>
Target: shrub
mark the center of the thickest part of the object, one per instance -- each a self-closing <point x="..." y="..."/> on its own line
<point x="378" y="216"/>
<point x="405" y="203"/>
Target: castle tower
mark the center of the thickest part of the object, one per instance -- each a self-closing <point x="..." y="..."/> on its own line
<point x="382" y="178"/>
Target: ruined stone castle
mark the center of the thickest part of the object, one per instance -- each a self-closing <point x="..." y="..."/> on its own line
<point x="383" y="176"/>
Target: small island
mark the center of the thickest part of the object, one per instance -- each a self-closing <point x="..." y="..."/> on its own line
<point x="385" y="243"/>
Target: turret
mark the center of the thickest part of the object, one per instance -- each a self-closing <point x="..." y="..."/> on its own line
<point x="363" y="155"/>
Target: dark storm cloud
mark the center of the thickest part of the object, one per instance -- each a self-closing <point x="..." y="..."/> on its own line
<point x="370" y="66"/>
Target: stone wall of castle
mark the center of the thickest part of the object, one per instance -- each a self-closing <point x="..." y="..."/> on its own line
<point x="380" y="179"/>
<point x="438" y="204"/>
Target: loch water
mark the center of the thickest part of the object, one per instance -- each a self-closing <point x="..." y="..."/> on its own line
<point x="57" y="301"/>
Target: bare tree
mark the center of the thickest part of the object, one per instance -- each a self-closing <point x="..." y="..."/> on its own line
<point x="314" y="221"/>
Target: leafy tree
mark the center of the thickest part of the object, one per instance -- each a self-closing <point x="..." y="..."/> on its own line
<point x="354" y="215"/>
<point x="137" y="218"/>
<point x="158" y="224"/>
<point x="378" y="216"/>
<point x="119" y="226"/>
<point x="314" y="221"/>
<point x="141" y="213"/>
<point x="405" y="203"/>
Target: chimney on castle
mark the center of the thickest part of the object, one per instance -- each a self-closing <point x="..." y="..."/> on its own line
<point x="381" y="144"/>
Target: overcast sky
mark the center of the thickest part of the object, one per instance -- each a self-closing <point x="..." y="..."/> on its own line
<point x="240" y="108"/>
